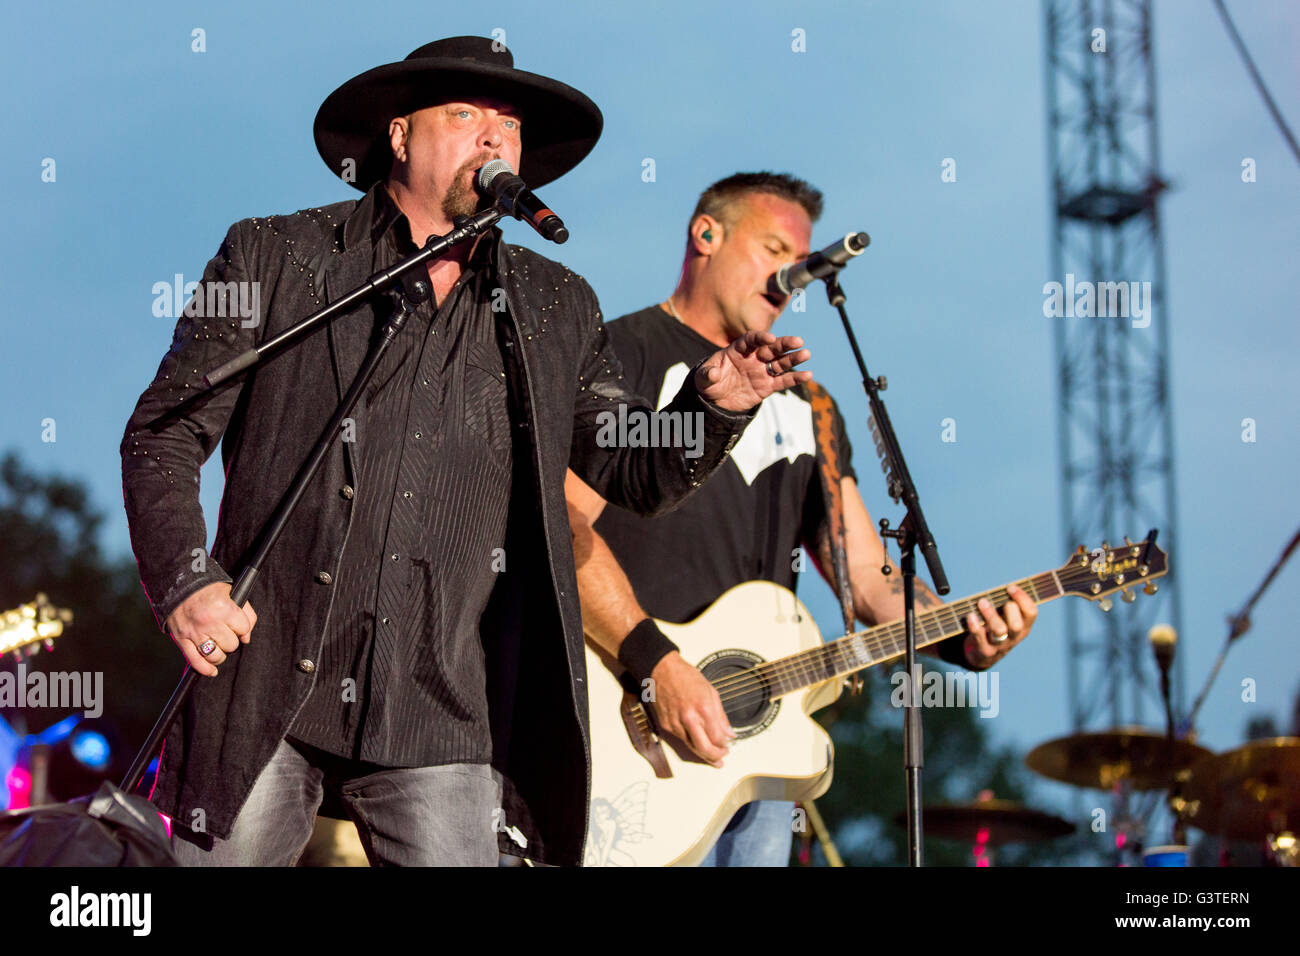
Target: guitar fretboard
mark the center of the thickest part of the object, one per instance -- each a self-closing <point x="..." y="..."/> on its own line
<point x="883" y="642"/>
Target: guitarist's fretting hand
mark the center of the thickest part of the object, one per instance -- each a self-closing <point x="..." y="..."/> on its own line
<point x="990" y="639"/>
<point x="687" y="706"/>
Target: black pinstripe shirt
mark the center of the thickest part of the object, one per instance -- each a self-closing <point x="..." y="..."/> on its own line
<point x="401" y="680"/>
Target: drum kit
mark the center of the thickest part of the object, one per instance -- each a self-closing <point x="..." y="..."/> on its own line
<point x="1251" y="793"/>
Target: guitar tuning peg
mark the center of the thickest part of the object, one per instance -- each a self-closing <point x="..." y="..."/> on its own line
<point x="1127" y="541"/>
<point x="1105" y="545"/>
<point x="1105" y="604"/>
<point x="1127" y="596"/>
<point x="1150" y="588"/>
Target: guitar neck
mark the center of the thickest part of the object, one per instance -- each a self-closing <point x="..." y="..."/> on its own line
<point x="884" y="642"/>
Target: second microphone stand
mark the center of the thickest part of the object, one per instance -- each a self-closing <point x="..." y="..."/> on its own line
<point x="911" y="532"/>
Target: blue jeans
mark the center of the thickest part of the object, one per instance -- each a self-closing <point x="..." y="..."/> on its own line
<point x="760" y="834"/>
<point x="421" y="816"/>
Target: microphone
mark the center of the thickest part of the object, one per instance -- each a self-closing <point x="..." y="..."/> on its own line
<point x="833" y="258"/>
<point x="497" y="180"/>
<point x="1163" y="639"/>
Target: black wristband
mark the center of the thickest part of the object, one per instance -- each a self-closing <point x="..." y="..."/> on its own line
<point x="643" y="648"/>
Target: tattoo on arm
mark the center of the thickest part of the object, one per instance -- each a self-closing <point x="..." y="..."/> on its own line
<point x="924" y="596"/>
<point x="822" y="548"/>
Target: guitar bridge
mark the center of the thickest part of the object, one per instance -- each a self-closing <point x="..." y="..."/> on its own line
<point x="641" y="732"/>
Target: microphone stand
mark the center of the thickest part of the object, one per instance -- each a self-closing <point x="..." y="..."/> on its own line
<point x="407" y="295"/>
<point x="911" y="531"/>
<point x="1238" y="625"/>
<point x="1174" y="801"/>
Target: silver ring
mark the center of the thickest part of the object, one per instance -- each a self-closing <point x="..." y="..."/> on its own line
<point x="770" y="370"/>
<point x="207" y="647"/>
<point x="1001" y="639"/>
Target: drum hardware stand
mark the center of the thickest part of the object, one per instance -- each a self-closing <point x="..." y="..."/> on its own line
<point x="821" y="832"/>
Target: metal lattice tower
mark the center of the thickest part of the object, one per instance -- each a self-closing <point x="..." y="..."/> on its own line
<point x="1116" y="428"/>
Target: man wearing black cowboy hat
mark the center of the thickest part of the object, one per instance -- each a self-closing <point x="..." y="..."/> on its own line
<point x="419" y="662"/>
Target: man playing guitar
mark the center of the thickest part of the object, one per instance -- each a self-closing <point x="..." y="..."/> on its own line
<point x="748" y="522"/>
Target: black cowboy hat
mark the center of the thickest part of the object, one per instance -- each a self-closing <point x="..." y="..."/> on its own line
<point x="560" y="125"/>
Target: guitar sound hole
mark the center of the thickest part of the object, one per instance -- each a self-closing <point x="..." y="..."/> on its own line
<point x="746" y="695"/>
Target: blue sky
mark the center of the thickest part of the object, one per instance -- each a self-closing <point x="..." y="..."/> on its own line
<point x="158" y="149"/>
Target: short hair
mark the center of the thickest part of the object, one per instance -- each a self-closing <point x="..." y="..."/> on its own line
<point x="719" y="199"/>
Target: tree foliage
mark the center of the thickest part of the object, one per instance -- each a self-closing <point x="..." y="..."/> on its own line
<point x="50" y="531"/>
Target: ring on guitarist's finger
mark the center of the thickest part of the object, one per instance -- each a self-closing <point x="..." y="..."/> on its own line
<point x="207" y="647"/>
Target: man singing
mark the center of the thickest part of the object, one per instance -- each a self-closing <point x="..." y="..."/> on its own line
<point x="415" y="658"/>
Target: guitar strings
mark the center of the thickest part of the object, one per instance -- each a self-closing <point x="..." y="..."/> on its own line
<point x="1062" y="580"/>
<point x="807" y="664"/>
<point x="803" y="665"/>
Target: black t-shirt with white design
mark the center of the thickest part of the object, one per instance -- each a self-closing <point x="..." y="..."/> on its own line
<point x="747" y="522"/>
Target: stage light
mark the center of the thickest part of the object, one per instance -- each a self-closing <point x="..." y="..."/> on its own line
<point x="91" y="749"/>
<point x="19" y="786"/>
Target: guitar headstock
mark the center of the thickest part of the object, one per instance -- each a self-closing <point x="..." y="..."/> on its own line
<point x="31" y="625"/>
<point x="1099" y="573"/>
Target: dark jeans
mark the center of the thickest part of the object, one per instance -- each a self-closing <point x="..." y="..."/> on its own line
<point x="421" y="816"/>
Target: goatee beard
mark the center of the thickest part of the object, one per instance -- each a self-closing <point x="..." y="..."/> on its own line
<point x="462" y="199"/>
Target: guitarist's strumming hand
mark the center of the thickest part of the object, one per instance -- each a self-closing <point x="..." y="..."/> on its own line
<point x="751" y="368"/>
<point x="687" y="706"/>
<point x="683" y="702"/>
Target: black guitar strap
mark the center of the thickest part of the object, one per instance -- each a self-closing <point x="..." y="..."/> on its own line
<point x="828" y="467"/>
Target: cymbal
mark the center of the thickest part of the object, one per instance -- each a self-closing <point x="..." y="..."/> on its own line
<point x="1247" y="793"/>
<point x="1134" y="755"/>
<point x="1006" y="822"/>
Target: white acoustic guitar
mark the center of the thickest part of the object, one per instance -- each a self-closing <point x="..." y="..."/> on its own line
<point x="654" y="803"/>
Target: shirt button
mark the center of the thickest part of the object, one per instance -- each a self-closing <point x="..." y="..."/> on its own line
<point x="383" y="620"/>
<point x="306" y="666"/>
<point x="406" y="494"/>
<point x="418" y="435"/>
<point x="347" y="492"/>
<point x="324" y="577"/>
<point x="393" y="555"/>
